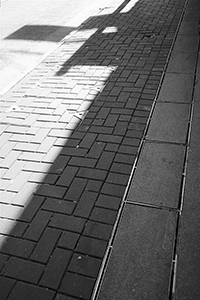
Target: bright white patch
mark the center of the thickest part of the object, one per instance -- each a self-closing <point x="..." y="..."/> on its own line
<point x="112" y="29"/>
<point x="128" y="7"/>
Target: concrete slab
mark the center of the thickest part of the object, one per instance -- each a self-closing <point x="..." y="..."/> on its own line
<point x="182" y="62"/>
<point x="140" y="263"/>
<point x="169" y="123"/>
<point x="176" y="88"/>
<point x="188" y="28"/>
<point x="186" y="43"/>
<point x="159" y="167"/>
<point x="188" y="271"/>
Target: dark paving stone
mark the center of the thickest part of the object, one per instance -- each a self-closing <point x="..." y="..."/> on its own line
<point x="157" y="179"/>
<point x="176" y="88"/>
<point x="188" y="271"/>
<point x="186" y="43"/>
<point x="140" y="263"/>
<point x="182" y="63"/>
<point x="173" y="123"/>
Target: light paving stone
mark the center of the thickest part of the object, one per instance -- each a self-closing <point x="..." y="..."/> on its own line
<point x="140" y="262"/>
<point x="182" y="62"/>
<point x="160" y="166"/>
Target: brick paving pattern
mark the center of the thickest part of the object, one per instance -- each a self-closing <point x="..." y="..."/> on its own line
<point x="71" y="130"/>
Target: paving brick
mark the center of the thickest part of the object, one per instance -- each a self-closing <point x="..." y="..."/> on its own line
<point x="31" y="292"/>
<point x="45" y="246"/>
<point x="110" y="202"/>
<point x="76" y="189"/>
<point x="31" y="208"/>
<point x="48" y="190"/>
<point x="88" y="140"/>
<point x="74" y="151"/>
<point x="6" y="149"/>
<point x="121" y="168"/>
<point x="69" y="223"/>
<point x="29" y="147"/>
<point x="67" y="176"/>
<point x="105" y="160"/>
<point x="3" y="259"/>
<point x="55" y="268"/>
<point x="23" y="270"/>
<point x="60" y="206"/>
<point x="6" y="285"/>
<point x="24" y="194"/>
<point x="40" y="135"/>
<point x="97" y="230"/>
<point x="96" y="150"/>
<point x="59" y="164"/>
<point x="91" y="246"/>
<point x="84" y="265"/>
<point x="19" y="181"/>
<point x="46" y="144"/>
<point x="68" y="240"/>
<point x="17" y="247"/>
<point x="103" y="215"/>
<point x="37" y="225"/>
<point x="92" y="173"/>
<point x="10" y="159"/>
<point x="109" y="138"/>
<point x="77" y="286"/>
<point x="85" y="204"/>
<point x="113" y="189"/>
<point x="124" y="158"/>
<point x="82" y="162"/>
<point x="29" y="156"/>
<point x="10" y="211"/>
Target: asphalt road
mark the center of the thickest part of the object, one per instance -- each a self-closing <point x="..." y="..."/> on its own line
<point x="30" y="29"/>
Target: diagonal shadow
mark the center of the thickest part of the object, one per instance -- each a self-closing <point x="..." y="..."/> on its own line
<point x="56" y="248"/>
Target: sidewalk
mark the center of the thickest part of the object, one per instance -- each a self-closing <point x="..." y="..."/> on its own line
<point x="100" y="161"/>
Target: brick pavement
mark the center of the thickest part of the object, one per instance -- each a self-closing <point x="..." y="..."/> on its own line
<point x="71" y="132"/>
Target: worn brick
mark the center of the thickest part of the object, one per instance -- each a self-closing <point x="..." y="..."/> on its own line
<point x="66" y="222"/>
<point x="31" y="292"/>
<point x="17" y="247"/>
<point x="68" y="240"/>
<point x="77" y="286"/>
<point x="116" y="178"/>
<point x="85" y="265"/>
<point x="31" y="208"/>
<point x="67" y="176"/>
<point x="121" y="168"/>
<point x="96" y="150"/>
<point x="98" y="230"/>
<point x="88" y="140"/>
<point x="56" y="205"/>
<point x="55" y="268"/>
<point x="113" y="189"/>
<point x="101" y="129"/>
<point x="94" y="185"/>
<point x="111" y="120"/>
<point x="108" y="202"/>
<point x="76" y="189"/>
<point x="105" y="160"/>
<point x="124" y="158"/>
<point x="91" y="246"/>
<point x="37" y="225"/>
<point x="59" y="164"/>
<point x="48" y="190"/>
<point x="23" y="270"/>
<point x="85" y="204"/>
<point x="92" y="173"/>
<point x="103" y="215"/>
<point x="6" y="285"/>
<point x="82" y="162"/>
<point x="46" y="245"/>
<point x="109" y="138"/>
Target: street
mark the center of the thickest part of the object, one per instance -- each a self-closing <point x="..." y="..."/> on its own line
<point x="30" y="29"/>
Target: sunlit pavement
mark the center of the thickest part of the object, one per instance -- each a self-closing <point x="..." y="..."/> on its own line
<point x="100" y="155"/>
